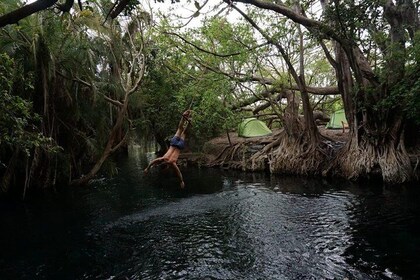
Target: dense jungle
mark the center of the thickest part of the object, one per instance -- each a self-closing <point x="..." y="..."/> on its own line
<point x="82" y="80"/>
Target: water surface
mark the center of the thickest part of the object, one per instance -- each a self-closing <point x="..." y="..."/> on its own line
<point x="224" y="225"/>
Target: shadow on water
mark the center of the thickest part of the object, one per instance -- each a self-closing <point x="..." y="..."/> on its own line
<point x="224" y="225"/>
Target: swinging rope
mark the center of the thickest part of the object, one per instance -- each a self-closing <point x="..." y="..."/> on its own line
<point x="192" y="101"/>
<point x="189" y="109"/>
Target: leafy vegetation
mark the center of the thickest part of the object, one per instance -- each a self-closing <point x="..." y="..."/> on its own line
<point x="18" y="122"/>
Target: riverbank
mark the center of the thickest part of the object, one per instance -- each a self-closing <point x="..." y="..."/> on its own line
<point x="215" y="149"/>
<point x="238" y="153"/>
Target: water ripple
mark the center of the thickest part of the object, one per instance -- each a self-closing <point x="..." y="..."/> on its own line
<point x="223" y="226"/>
<point x="249" y="232"/>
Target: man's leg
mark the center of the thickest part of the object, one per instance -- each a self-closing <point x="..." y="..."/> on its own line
<point x="179" y="174"/>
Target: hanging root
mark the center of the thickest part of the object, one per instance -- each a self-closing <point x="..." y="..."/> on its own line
<point x="279" y="155"/>
<point x="251" y="155"/>
<point x="298" y="157"/>
<point x="395" y="165"/>
<point x="261" y="159"/>
<point x="354" y="160"/>
<point x="390" y="164"/>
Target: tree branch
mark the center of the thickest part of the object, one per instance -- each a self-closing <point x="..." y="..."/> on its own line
<point x="328" y="55"/>
<point x="267" y="104"/>
<point x="112" y="101"/>
<point x="199" y="48"/>
<point x="252" y="78"/>
<point x="65" y="8"/>
<point x="294" y="16"/>
<point x="358" y="62"/>
<point x="80" y="4"/>
<point x="118" y="8"/>
<point x="116" y="147"/>
<point x="74" y="79"/>
<point x="25" y="11"/>
<point x="255" y="98"/>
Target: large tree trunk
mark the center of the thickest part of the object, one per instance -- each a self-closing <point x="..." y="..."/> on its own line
<point x="365" y="158"/>
<point x="376" y="147"/>
<point x="298" y="151"/>
<point x="291" y="121"/>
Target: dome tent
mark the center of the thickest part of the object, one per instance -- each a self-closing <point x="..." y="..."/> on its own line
<point x="338" y="119"/>
<point x="251" y="127"/>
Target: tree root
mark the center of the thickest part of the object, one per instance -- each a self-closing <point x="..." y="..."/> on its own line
<point x="281" y="155"/>
<point x="388" y="163"/>
<point x="285" y="154"/>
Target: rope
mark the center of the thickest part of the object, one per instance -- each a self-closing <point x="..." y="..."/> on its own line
<point x="189" y="108"/>
<point x="192" y="101"/>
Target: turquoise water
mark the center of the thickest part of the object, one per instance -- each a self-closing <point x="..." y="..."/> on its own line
<point x="224" y="225"/>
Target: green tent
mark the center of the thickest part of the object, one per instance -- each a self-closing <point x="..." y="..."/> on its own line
<point x="336" y="120"/>
<point x="252" y="127"/>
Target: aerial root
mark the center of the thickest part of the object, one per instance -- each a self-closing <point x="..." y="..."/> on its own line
<point x="282" y="155"/>
<point x="387" y="162"/>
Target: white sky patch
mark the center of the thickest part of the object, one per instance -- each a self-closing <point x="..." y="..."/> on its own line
<point x="192" y="14"/>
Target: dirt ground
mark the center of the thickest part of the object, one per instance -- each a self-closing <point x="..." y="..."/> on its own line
<point x="216" y="145"/>
<point x="213" y="148"/>
<point x="333" y="134"/>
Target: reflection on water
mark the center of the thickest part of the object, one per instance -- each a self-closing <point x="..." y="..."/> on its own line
<point x="225" y="225"/>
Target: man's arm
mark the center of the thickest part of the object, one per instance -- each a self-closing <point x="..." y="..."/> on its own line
<point x="153" y="162"/>
<point x="186" y="117"/>
<point x="179" y="174"/>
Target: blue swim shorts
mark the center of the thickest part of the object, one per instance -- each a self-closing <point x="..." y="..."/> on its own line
<point x="177" y="142"/>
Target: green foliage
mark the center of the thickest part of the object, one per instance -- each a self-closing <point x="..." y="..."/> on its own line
<point x="157" y="107"/>
<point x="165" y="95"/>
<point x="413" y="103"/>
<point x="83" y="57"/>
<point x="209" y="97"/>
<point x="351" y="17"/>
<point x="410" y="85"/>
<point x="404" y="93"/>
<point x="18" y="123"/>
<point x="175" y="83"/>
<point x="61" y="112"/>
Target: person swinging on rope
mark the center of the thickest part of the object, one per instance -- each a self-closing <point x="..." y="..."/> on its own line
<point x="175" y="146"/>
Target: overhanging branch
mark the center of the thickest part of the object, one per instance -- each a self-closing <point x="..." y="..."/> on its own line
<point x="252" y="78"/>
<point x="199" y="48"/>
<point x="25" y="11"/>
<point x="65" y="8"/>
